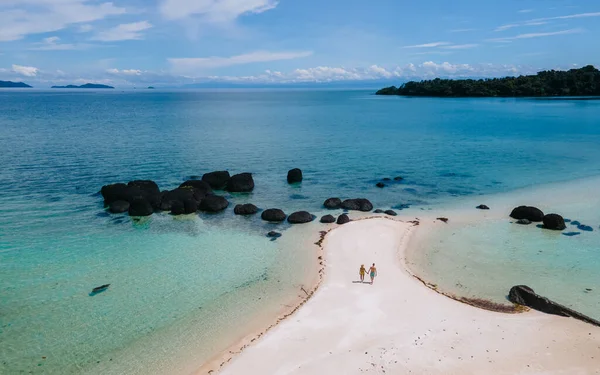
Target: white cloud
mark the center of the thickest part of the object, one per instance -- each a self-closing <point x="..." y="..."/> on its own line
<point x="193" y="65"/>
<point x="513" y="25"/>
<point x="543" y="21"/>
<point x="429" y="45"/>
<point x="27" y="71"/>
<point x="53" y="44"/>
<point x="214" y="10"/>
<point x="536" y="35"/>
<point x="85" y="28"/>
<point x="461" y="30"/>
<point x="525" y="11"/>
<point x="460" y="46"/>
<point x="445" y="67"/>
<point x="21" y="18"/>
<point x="126" y="72"/>
<point x="126" y="31"/>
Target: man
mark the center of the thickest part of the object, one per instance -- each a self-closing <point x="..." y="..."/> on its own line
<point x="372" y="272"/>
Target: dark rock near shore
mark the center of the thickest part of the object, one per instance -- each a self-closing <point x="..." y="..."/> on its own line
<point x="333" y="203"/>
<point x="554" y="222"/>
<point x="524" y="295"/>
<point x="245" y="209"/>
<point x="343" y="219"/>
<point x="358" y="204"/>
<point x="378" y="211"/>
<point x="181" y="194"/>
<point x="444" y="219"/>
<point x="482" y="207"/>
<point x="386" y="179"/>
<point x="118" y="207"/>
<point x="391" y="213"/>
<point x="327" y="219"/>
<point x="523" y="222"/>
<point x="273" y="234"/>
<point x="294" y="176"/>
<point x="526" y="212"/>
<point x="201" y="186"/>
<point x="240" y="183"/>
<point x="213" y="203"/>
<point x="398" y="178"/>
<point x="190" y="206"/>
<point x="380" y="185"/>
<point x="300" y="217"/>
<point x="273" y="214"/>
<point x="177" y="208"/>
<point x="140" y="207"/>
<point x="216" y="180"/>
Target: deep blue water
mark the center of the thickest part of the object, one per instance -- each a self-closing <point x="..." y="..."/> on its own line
<point x="59" y="148"/>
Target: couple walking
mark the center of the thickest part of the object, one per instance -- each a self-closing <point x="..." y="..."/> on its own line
<point x="372" y="272"/>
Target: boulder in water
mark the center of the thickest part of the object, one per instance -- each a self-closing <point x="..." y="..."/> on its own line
<point x="300" y="217"/>
<point x="273" y="214"/>
<point x="482" y="207"/>
<point x="273" y="234"/>
<point x="240" y="183"/>
<point x="398" y="178"/>
<point x="118" y="207"/>
<point x="532" y="214"/>
<point x="180" y="194"/>
<point x="217" y="180"/>
<point x="380" y="185"/>
<point x="571" y="234"/>
<point x="585" y="228"/>
<point x="327" y="219"/>
<point x="386" y="179"/>
<point x="201" y="186"/>
<point x="294" y="176"/>
<point x="190" y="206"/>
<point x="245" y="209"/>
<point x="140" y="207"/>
<point x="391" y="213"/>
<point x="177" y="208"/>
<point x="378" y="211"/>
<point x="147" y="189"/>
<point x="333" y="203"/>
<point x="213" y="203"/>
<point x="554" y="222"/>
<point x="343" y="219"/>
<point x="358" y="204"/>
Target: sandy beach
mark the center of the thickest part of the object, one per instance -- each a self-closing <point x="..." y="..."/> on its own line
<point x="399" y="326"/>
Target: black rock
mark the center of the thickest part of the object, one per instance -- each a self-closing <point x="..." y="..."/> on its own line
<point x="177" y="208"/>
<point x="273" y="214"/>
<point x="523" y="222"/>
<point x="343" y="219"/>
<point x="482" y="207"/>
<point x="213" y="203"/>
<point x="99" y="289"/>
<point x="140" y="207"/>
<point x="245" y="209"/>
<point x="358" y="204"/>
<point x="190" y="206"/>
<point x="333" y="203"/>
<point x="148" y="190"/>
<point x="554" y="222"/>
<point x="294" y="175"/>
<point x="180" y="194"/>
<point x="300" y="217"/>
<point x="273" y="234"/>
<point x="240" y="183"/>
<point x="386" y="179"/>
<point x="327" y="219"/>
<point x="217" y="180"/>
<point x="201" y="186"/>
<point x="119" y="192"/>
<point x="118" y="207"/>
<point x="380" y="185"/>
<point x="378" y="211"/>
<point x="391" y="213"/>
<point x="526" y="212"/>
<point x="398" y="178"/>
<point x="585" y="228"/>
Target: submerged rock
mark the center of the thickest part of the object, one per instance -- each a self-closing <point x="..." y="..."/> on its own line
<point x="482" y="207"/>
<point x="386" y="179"/>
<point x="391" y="213"/>
<point x="240" y="183"/>
<point x="213" y="203"/>
<point x="99" y="289"/>
<point x="294" y="176"/>
<point x="571" y="234"/>
<point x="398" y="178"/>
<point x="118" y="207"/>
<point x="554" y="222"/>
<point x="533" y="214"/>
<point x="300" y="217"/>
<point x="217" y="179"/>
<point x="380" y="185"/>
<point x="328" y="219"/>
<point x="523" y="222"/>
<point x="273" y="214"/>
<point x="140" y="207"/>
<point x="585" y="228"/>
<point x="343" y="219"/>
<point x="378" y="211"/>
<point x="273" y="234"/>
<point x="333" y="203"/>
<point x="245" y="209"/>
<point x="357" y="204"/>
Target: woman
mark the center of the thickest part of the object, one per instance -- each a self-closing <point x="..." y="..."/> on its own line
<point x="362" y="272"/>
<point x="372" y="272"/>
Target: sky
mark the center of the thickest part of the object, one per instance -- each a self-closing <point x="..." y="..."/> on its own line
<point x="129" y="43"/>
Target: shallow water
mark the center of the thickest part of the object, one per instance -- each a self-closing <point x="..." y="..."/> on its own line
<point x="177" y="285"/>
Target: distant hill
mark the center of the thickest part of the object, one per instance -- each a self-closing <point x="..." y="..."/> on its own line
<point x="151" y="87"/>
<point x="86" y="86"/>
<point x="575" y="82"/>
<point x="10" y="84"/>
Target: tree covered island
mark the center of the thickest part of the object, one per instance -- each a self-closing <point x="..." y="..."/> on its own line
<point x="575" y="82"/>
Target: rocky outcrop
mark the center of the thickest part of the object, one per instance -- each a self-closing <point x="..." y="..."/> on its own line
<point x="327" y="219"/>
<point x="139" y="189"/>
<point x="140" y="207"/>
<point x="391" y="213"/>
<point x="526" y="212"/>
<point x="273" y="214"/>
<point x="245" y="209"/>
<point x="300" y="217"/>
<point x="213" y="203"/>
<point x="482" y="207"/>
<point x="202" y="187"/>
<point x="118" y="207"/>
<point x="358" y="204"/>
<point x="240" y="183"/>
<point x="217" y="180"/>
<point x="554" y="222"/>
<point x="343" y="219"/>
<point x="294" y="176"/>
<point x="180" y="195"/>
<point x="524" y="295"/>
<point x="333" y="203"/>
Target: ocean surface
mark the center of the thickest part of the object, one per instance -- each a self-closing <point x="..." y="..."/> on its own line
<point x="183" y="289"/>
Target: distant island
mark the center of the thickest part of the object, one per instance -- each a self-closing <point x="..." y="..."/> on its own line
<point x="575" y="82"/>
<point x="151" y="87"/>
<point x="9" y="84"/>
<point x="86" y="86"/>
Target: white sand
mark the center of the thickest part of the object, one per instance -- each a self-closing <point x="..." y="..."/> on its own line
<point x="399" y="326"/>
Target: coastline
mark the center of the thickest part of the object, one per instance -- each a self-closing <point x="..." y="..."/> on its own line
<point x="404" y="325"/>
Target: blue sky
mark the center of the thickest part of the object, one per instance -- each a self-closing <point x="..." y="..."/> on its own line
<point x="173" y="42"/>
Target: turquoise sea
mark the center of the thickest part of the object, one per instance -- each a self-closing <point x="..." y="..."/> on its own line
<point x="182" y="289"/>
